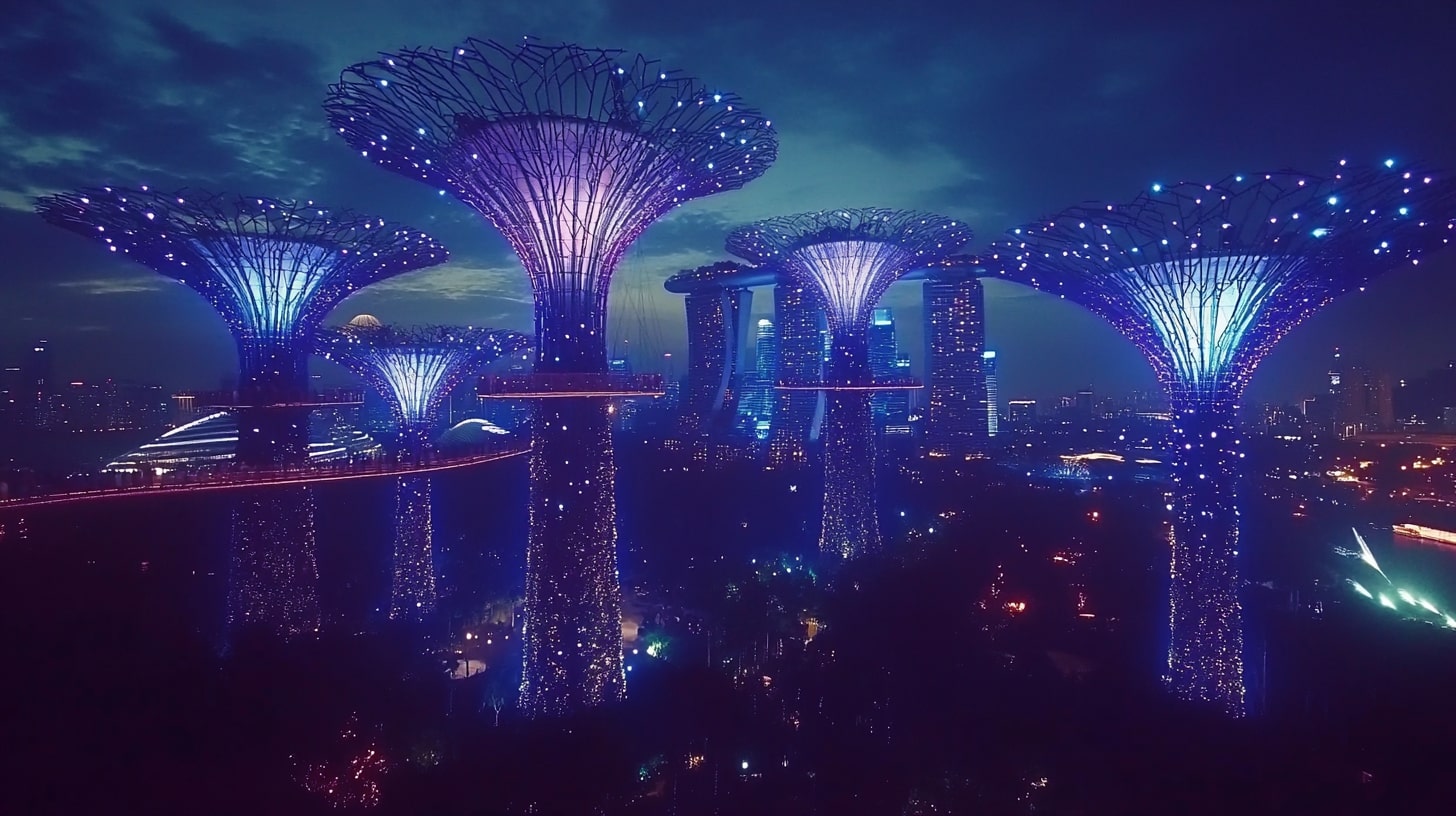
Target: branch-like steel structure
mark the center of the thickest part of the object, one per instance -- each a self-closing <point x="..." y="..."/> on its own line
<point x="850" y="258"/>
<point x="416" y="368"/>
<point x="1205" y="279"/>
<point x="571" y="153"/>
<point x="271" y="268"/>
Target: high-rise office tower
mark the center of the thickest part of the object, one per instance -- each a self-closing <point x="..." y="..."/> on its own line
<point x="718" y="315"/>
<point x="993" y="394"/>
<point x="755" y="408"/>
<point x="955" y="337"/>
<point x="884" y="365"/>
<point x="797" y="414"/>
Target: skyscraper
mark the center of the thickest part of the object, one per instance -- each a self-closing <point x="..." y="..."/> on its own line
<point x="955" y="337"/>
<point x="755" y="407"/>
<point x="993" y="396"/>
<point x="884" y="365"/>
<point x="797" y="414"/>
<point x="718" y="320"/>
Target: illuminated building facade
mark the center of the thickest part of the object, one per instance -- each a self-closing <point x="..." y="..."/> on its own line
<point x="797" y="415"/>
<point x="955" y="339"/>
<point x="885" y="364"/>
<point x="273" y="580"/>
<point x="211" y="441"/>
<point x="849" y="258"/>
<point x="1020" y="415"/>
<point x="755" y="407"/>
<point x="271" y="268"/>
<point x="719" y="320"/>
<point x="992" y="404"/>
<point x="571" y="153"/>
<point x="1205" y="279"/>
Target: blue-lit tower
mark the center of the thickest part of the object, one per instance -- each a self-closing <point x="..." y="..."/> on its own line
<point x="571" y="153"/>
<point x="849" y="258"/>
<point x="992" y="404"/>
<point x="415" y="369"/>
<point x="884" y="352"/>
<point x="1205" y="279"/>
<point x="271" y="268"/>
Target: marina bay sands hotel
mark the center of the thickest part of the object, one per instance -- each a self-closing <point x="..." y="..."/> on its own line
<point x="719" y="301"/>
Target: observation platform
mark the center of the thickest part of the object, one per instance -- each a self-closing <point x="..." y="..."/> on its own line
<point x="227" y="400"/>
<point x="209" y="481"/>
<point x="548" y="385"/>
<point x="895" y="384"/>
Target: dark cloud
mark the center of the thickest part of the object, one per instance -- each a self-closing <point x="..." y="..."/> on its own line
<point x="997" y="113"/>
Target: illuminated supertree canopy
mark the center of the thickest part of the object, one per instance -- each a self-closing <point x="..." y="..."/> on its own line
<point x="271" y="268"/>
<point x="1206" y="278"/>
<point x="570" y="152"/>
<point x="850" y="258"/>
<point x="416" y="368"/>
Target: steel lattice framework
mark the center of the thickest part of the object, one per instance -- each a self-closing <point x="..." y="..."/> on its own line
<point x="1206" y="278"/>
<point x="850" y="258"/>
<point x="570" y="152"/>
<point x="271" y="268"/>
<point x="416" y="368"/>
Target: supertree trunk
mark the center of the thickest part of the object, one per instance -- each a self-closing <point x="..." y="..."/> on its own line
<point x="1205" y="653"/>
<point x="412" y="596"/>
<point x="273" y="584"/>
<point x="573" y="632"/>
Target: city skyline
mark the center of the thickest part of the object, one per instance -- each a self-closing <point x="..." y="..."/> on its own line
<point x="273" y="138"/>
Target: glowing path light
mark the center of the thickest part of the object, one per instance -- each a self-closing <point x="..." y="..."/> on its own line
<point x="271" y="268"/>
<point x="415" y="369"/>
<point x="1205" y="279"/>
<point x="850" y="258"/>
<point x="571" y="153"/>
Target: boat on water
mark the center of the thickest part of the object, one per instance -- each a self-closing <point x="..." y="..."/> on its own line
<point x="1423" y="534"/>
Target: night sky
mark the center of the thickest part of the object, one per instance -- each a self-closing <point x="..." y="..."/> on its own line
<point x="997" y="113"/>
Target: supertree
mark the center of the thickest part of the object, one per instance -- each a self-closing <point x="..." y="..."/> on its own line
<point x="850" y="258"/>
<point x="570" y="153"/>
<point x="1205" y="279"/>
<point x="271" y="268"/>
<point x="415" y="369"/>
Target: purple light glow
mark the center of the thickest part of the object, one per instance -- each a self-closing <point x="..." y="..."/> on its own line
<point x="850" y="257"/>
<point x="416" y="369"/>
<point x="570" y="152"/>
